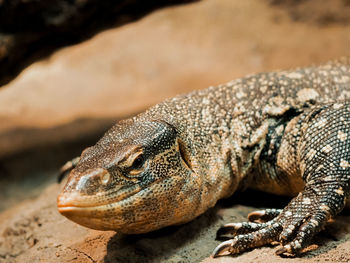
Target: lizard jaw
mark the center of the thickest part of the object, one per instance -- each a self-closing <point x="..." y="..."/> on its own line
<point x="76" y="199"/>
<point x="123" y="216"/>
<point x="91" y="210"/>
<point x="88" y="216"/>
<point x="105" y="216"/>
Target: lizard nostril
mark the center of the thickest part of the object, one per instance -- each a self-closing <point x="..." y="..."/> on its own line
<point x="105" y="178"/>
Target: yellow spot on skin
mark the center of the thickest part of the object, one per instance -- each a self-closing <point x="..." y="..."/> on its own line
<point x="263" y="89"/>
<point x="327" y="149"/>
<point x="302" y="167"/>
<point x="342" y="136"/>
<point x="240" y="94"/>
<point x="307" y="94"/>
<point x="321" y="123"/>
<point x="307" y="201"/>
<point x="340" y="191"/>
<point x="337" y="106"/>
<point x="276" y="106"/>
<point x="344" y="164"/>
<point x="311" y="154"/>
<point x="320" y="167"/>
<point x="328" y="178"/>
<point x="324" y="207"/>
<point x="314" y="222"/>
<point x="288" y="213"/>
<point x="342" y="79"/>
<point x="291" y="227"/>
<point x="279" y="130"/>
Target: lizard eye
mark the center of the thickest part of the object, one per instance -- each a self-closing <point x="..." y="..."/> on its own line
<point x="137" y="165"/>
<point x="138" y="162"/>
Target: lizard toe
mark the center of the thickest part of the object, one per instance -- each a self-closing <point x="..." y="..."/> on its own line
<point x="262" y="216"/>
<point x="233" y="229"/>
<point x="292" y="248"/>
<point x="240" y="243"/>
<point x="291" y="228"/>
<point x="224" y="249"/>
<point x="302" y="234"/>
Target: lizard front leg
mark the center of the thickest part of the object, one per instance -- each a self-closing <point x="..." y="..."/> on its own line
<point x="324" y="161"/>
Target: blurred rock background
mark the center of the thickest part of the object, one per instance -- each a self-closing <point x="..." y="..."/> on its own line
<point x="70" y="69"/>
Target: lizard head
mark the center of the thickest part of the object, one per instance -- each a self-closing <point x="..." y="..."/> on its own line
<point x="134" y="180"/>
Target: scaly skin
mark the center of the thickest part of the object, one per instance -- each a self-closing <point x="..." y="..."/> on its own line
<point x="283" y="132"/>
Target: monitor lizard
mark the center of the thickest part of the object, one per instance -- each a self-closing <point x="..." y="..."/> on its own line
<point x="286" y="133"/>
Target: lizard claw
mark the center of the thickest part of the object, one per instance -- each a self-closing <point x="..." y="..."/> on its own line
<point x="294" y="228"/>
<point x="263" y="215"/>
<point x="251" y="237"/>
<point x="281" y="251"/>
<point x="232" y="229"/>
<point x="224" y="249"/>
<point x="228" y="229"/>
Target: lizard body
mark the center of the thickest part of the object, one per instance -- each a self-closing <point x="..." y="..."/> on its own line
<point x="282" y="132"/>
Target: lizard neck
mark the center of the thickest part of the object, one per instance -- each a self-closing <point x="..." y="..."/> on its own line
<point x="227" y="161"/>
<point x="223" y="149"/>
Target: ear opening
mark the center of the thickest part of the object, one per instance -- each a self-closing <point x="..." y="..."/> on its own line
<point x="185" y="156"/>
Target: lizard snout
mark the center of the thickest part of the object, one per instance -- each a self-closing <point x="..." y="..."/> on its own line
<point x="80" y="190"/>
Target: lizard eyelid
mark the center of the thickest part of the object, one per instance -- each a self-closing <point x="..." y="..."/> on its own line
<point x="129" y="157"/>
<point x="137" y="165"/>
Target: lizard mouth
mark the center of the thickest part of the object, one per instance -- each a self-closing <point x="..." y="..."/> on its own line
<point x="91" y="217"/>
<point x="103" y="215"/>
<point x="132" y="211"/>
<point x="68" y="201"/>
<point x="100" y="212"/>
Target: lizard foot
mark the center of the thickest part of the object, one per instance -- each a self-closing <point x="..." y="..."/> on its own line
<point x="257" y="220"/>
<point x="293" y="228"/>
<point x="250" y="235"/>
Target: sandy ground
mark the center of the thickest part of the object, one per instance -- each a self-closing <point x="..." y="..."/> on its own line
<point x="35" y="232"/>
<point x="121" y="71"/>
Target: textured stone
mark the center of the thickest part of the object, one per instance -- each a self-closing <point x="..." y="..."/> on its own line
<point x="34" y="28"/>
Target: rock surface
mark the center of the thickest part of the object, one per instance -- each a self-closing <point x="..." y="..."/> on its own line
<point x="81" y="90"/>
<point x="34" y="28"/>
